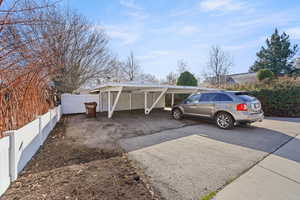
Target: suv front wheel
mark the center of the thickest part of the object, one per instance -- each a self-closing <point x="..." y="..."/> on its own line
<point x="224" y="120"/>
<point x="177" y="114"/>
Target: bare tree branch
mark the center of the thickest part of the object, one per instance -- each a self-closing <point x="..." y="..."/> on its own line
<point x="219" y="65"/>
<point x="131" y="68"/>
<point x="26" y="64"/>
<point x="83" y="51"/>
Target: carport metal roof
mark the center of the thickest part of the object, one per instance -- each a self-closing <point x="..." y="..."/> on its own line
<point x="144" y="88"/>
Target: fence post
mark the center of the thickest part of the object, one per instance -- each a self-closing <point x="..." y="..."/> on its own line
<point x="50" y="120"/>
<point x="39" y="117"/>
<point x="13" y="166"/>
<point x="57" y="113"/>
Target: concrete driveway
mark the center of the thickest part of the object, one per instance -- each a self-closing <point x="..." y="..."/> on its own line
<point x="189" y="162"/>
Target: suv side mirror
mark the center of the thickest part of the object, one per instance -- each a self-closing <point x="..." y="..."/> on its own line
<point x="186" y="101"/>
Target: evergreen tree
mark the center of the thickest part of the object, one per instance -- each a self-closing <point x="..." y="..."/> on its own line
<point x="277" y="55"/>
<point x="187" y="79"/>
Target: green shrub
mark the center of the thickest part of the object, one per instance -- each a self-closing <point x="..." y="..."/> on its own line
<point x="264" y="74"/>
<point x="187" y="79"/>
<point x="279" y="98"/>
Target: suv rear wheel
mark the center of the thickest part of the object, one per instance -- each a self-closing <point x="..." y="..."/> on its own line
<point x="177" y="114"/>
<point x="224" y="120"/>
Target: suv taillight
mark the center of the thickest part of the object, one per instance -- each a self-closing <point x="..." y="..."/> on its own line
<point x="241" y="107"/>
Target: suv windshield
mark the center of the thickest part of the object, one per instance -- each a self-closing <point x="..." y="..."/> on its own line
<point x="192" y="99"/>
<point x="245" y="96"/>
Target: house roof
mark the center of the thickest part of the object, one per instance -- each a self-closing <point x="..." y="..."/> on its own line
<point x="244" y="77"/>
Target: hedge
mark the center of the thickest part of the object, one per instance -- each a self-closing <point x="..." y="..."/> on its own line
<point x="279" y="97"/>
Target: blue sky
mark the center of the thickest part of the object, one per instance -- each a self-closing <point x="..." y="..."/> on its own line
<point x="160" y="32"/>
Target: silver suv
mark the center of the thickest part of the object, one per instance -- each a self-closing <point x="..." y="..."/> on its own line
<point x="227" y="108"/>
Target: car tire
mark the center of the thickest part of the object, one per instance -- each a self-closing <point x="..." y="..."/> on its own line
<point x="177" y="114"/>
<point x="224" y="120"/>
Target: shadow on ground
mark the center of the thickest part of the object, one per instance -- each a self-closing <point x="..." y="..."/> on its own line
<point x="267" y="136"/>
<point x="191" y="161"/>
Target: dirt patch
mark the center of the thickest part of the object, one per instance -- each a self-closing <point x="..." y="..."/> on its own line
<point x="60" y="150"/>
<point x="66" y="169"/>
<point x="105" y="133"/>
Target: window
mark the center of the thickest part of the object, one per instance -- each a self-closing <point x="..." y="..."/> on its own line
<point x="245" y="97"/>
<point x="222" y="97"/>
<point x="193" y="99"/>
<point x="206" y="96"/>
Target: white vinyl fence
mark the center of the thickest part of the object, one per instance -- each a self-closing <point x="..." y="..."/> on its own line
<point x="19" y="146"/>
<point x="4" y="166"/>
<point x="72" y="103"/>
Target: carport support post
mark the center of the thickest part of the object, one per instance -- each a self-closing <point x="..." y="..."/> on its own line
<point x="108" y="104"/>
<point x="130" y="101"/>
<point x="172" y="102"/>
<point x="145" y="102"/>
<point x="100" y="101"/>
<point x="148" y="110"/>
<point x="111" y="110"/>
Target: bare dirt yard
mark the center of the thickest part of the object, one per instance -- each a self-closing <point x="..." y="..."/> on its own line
<point x="81" y="159"/>
<point x="104" y="133"/>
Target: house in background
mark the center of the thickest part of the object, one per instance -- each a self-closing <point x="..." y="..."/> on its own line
<point x="233" y="79"/>
<point x="82" y="91"/>
<point x="242" y="78"/>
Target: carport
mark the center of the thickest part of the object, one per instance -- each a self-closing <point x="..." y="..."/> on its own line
<point x="140" y="88"/>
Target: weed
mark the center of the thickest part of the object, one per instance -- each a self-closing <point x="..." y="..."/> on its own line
<point x="209" y="196"/>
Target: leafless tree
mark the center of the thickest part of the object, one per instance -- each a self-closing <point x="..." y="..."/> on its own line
<point x="182" y="66"/>
<point x="149" y="78"/>
<point x="26" y="63"/>
<point x="172" y="78"/>
<point x="83" y="50"/>
<point x="219" y="65"/>
<point x="38" y="44"/>
<point x="131" y="68"/>
<point x="115" y="72"/>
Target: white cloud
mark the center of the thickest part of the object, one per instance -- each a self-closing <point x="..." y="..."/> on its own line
<point x="130" y="4"/>
<point x="185" y="12"/>
<point x="178" y="29"/>
<point x="154" y="54"/>
<point x="134" y="10"/>
<point x="137" y="15"/>
<point x="294" y="32"/>
<point x="259" y="21"/>
<point x="127" y="38"/>
<point x="223" y="6"/>
<point x="125" y="35"/>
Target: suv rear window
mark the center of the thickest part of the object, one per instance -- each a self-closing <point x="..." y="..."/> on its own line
<point x="245" y="96"/>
